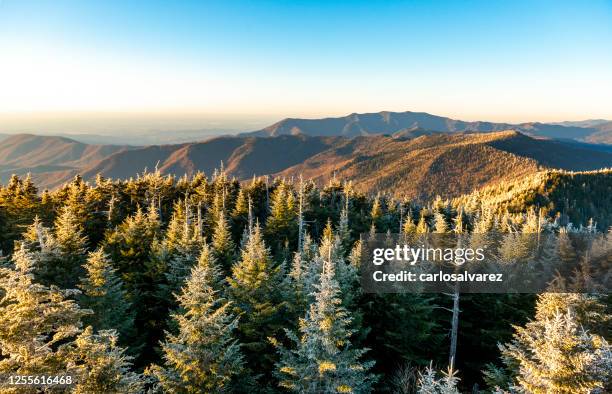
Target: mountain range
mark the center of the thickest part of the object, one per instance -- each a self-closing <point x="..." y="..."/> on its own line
<point x="417" y="164"/>
<point x="594" y="131"/>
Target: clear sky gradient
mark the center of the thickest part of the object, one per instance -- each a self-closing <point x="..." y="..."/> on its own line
<point x="262" y="60"/>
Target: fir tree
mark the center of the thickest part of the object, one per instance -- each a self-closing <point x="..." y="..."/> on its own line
<point x="41" y="334"/>
<point x="282" y="226"/>
<point x="556" y="355"/>
<point x="222" y="243"/>
<point x="430" y="383"/>
<point x="554" y="352"/>
<point x="103" y="293"/>
<point x="37" y="323"/>
<point x="203" y="356"/>
<point x="324" y="359"/>
<point x="255" y="289"/>
<point x="101" y="366"/>
<point x="130" y="248"/>
<point x="377" y="215"/>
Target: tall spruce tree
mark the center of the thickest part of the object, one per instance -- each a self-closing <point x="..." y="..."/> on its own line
<point x="103" y="293"/>
<point x="282" y="227"/>
<point x="101" y="366"/>
<point x="130" y="248"/>
<point x="41" y="334"/>
<point x="203" y="356"/>
<point x="324" y="360"/>
<point x="222" y="243"/>
<point x="37" y="323"/>
<point x="555" y="352"/>
<point x="256" y="290"/>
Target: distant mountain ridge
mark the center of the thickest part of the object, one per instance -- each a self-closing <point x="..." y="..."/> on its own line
<point x="449" y="164"/>
<point x="386" y="122"/>
<point x="49" y="159"/>
<point x="445" y="164"/>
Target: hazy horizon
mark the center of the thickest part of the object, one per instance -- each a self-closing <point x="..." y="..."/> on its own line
<point x="108" y="123"/>
<point x="107" y="67"/>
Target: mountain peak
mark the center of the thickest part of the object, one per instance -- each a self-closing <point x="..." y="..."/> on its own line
<point x="390" y="123"/>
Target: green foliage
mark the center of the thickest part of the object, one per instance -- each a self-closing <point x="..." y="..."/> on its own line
<point x="142" y="258"/>
<point x="222" y="243"/>
<point x="130" y="248"/>
<point x="324" y="360"/>
<point x="554" y="352"/>
<point x="37" y="323"/>
<point x="41" y="334"/>
<point x="103" y="293"/>
<point x="100" y="366"/>
<point x="255" y="289"/>
<point x="203" y="356"/>
<point x="281" y="226"/>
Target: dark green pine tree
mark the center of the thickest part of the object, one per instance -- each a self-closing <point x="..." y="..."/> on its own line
<point x="256" y="290"/>
<point x="103" y="293"/>
<point x="129" y="248"/>
<point x="282" y="225"/>
<point x="223" y="244"/>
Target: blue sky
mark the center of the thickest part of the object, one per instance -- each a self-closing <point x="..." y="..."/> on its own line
<point x="493" y="60"/>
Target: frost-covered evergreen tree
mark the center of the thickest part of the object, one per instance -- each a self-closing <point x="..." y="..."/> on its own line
<point x="281" y="226"/>
<point x="324" y="360"/>
<point x="203" y="356"/>
<point x="555" y="352"/>
<point x="301" y="276"/>
<point x="101" y="366"/>
<point x="222" y="243"/>
<point x="103" y="293"/>
<point x="130" y="245"/>
<point x="422" y="226"/>
<point x="408" y="227"/>
<point x="558" y="356"/>
<point x="256" y="290"/>
<point x="130" y="248"/>
<point x="430" y="383"/>
<point x="41" y="334"/>
<point x="177" y="253"/>
<point x="61" y="251"/>
<point x="69" y="233"/>
<point x="37" y="323"/>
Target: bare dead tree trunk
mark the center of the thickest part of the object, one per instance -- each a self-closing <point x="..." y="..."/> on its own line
<point x="454" y="330"/>
<point x="301" y="215"/>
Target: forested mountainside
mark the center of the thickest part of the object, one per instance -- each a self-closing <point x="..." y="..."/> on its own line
<point x="443" y="164"/>
<point x="431" y="164"/>
<point x="52" y="160"/>
<point x="576" y="196"/>
<point x="386" y="122"/>
<point x="213" y="284"/>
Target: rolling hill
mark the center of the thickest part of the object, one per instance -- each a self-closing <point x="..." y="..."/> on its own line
<point x="445" y="164"/>
<point x="242" y="157"/>
<point x="393" y="122"/>
<point x="578" y="196"/>
<point x="449" y="164"/>
<point x="50" y="160"/>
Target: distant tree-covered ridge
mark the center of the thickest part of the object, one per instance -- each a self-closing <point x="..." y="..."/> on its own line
<point x="409" y="164"/>
<point x="576" y="197"/>
<point x="209" y="284"/>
